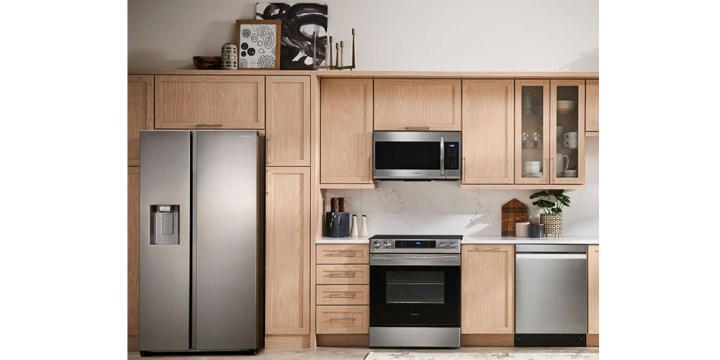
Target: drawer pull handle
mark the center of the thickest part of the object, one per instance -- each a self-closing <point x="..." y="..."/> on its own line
<point x="343" y="295"/>
<point x="343" y="319"/>
<point x="208" y="125"/>
<point x="417" y="128"/>
<point x="342" y="253"/>
<point x="341" y="274"/>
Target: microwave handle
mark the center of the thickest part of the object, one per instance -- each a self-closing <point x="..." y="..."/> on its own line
<point x="442" y="155"/>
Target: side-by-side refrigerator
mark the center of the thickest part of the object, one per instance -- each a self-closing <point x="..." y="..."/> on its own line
<point x="201" y="241"/>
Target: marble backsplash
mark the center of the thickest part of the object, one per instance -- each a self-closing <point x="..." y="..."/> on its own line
<point x="442" y="207"/>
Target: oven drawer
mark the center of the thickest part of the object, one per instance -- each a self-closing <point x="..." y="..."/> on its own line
<point x="343" y="294"/>
<point x="343" y="274"/>
<point x="343" y="254"/>
<point x="342" y="319"/>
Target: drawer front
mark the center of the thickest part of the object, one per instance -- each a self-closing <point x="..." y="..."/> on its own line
<point x="343" y="319"/>
<point x="343" y="274"/>
<point x="343" y="294"/>
<point x="343" y="254"/>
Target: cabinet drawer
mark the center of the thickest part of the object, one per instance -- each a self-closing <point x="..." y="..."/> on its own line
<point x="343" y="274"/>
<point x="343" y="319"/>
<point x="343" y="254"/>
<point x="343" y="294"/>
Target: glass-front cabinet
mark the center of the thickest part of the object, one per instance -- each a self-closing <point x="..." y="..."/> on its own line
<point x="550" y="131"/>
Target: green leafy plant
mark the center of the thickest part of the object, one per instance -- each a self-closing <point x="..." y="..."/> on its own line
<point x="551" y="201"/>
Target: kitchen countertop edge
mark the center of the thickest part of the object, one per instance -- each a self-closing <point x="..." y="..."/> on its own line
<point x="475" y="239"/>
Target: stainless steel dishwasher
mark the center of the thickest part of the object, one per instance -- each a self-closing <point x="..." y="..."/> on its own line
<point x="550" y="295"/>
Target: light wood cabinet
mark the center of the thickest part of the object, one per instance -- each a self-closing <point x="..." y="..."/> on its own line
<point x="223" y="102"/>
<point x="343" y="294"/>
<point x="562" y="123"/>
<point x="133" y="245"/>
<point x="343" y="320"/>
<point x="343" y="274"/>
<point x="343" y="254"/>
<point x="488" y="132"/>
<point x="141" y="98"/>
<point x="287" y="244"/>
<point x="592" y="105"/>
<point x="346" y="126"/>
<point x="287" y="122"/>
<point x="593" y="292"/>
<point x="488" y="273"/>
<point x="417" y="104"/>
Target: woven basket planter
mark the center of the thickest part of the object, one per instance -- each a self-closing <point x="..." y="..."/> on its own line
<point x="553" y="224"/>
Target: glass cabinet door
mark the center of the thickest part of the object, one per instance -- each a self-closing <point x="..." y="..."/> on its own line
<point x="532" y="110"/>
<point x="567" y="130"/>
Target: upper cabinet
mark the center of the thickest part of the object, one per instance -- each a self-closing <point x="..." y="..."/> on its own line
<point x="487" y="137"/>
<point x="592" y="106"/>
<point x="222" y="102"/>
<point x="346" y="126"/>
<point x="288" y="120"/>
<point x="417" y="104"/>
<point x="140" y="113"/>
<point x="549" y="132"/>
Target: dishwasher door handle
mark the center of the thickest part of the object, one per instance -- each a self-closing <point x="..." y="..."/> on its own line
<point x="551" y="256"/>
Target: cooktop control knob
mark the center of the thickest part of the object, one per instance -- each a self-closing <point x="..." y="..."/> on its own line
<point x="453" y="244"/>
<point x="386" y="244"/>
<point x="443" y="244"/>
<point x="376" y="244"/>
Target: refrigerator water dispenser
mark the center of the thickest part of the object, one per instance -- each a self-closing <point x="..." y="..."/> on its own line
<point x="164" y="221"/>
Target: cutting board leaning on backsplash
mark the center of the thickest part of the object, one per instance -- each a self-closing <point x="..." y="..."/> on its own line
<point x="512" y="212"/>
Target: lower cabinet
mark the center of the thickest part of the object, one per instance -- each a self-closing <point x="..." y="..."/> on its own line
<point x="133" y="228"/>
<point x="342" y="315"/>
<point x="287" y="257"/>
<point x="488" y="307"/>
<point x="593" y="338"/>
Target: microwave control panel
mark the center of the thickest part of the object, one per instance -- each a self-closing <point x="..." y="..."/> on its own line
<point x="452" y="156"/>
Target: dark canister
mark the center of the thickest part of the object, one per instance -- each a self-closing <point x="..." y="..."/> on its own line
<point x="537" y="230"/>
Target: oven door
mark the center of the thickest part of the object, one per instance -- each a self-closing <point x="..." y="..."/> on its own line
<point x="424" y="155"/>
<point x="415" y="292"/>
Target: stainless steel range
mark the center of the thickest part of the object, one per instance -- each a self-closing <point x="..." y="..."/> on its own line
<point x="415" y="291"/>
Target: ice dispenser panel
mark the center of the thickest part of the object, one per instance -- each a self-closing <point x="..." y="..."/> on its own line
<point x="164" y="224"/>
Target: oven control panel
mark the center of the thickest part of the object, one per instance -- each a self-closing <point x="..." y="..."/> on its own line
<point x="415" y="244"/>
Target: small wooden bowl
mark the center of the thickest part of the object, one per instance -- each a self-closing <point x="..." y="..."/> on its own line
<point x="207" y="62"/>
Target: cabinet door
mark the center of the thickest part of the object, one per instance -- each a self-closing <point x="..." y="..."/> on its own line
<point x="567" y="131"/>
<point x="346" y="126"/>
<point x="343" y="254"/>
<point x="488" y="131"/>
<point x="417" y="104"/>
<point x="287" y="258"/>
<point x="133" y="229"/>
<point x="227" y="102"/>
<point x="140" y="113"/>
<point x="288" y="120"/>
<point x="532" y="124"/>
<point x="593" y="289"/>
<point x="488" y="273"/>
<point x="592" y="105"/>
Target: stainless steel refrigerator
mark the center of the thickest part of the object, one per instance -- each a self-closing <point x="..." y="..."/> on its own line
<point x="201" y="241"/>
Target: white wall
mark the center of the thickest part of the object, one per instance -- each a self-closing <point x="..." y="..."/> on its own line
<point x="422" y="35"/>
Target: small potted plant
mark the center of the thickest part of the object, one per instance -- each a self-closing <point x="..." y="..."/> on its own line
<point x="552" y="203"/>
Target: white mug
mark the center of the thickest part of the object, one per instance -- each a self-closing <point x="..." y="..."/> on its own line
<point x="571" y="143"/>
<point x="532" y="167"/>
<point x="570" y="135"/>
<point x="559" y="167"/>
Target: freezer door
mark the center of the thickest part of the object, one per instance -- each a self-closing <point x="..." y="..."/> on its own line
<point x="164" y="241"/>
<point x="225" y="282"/>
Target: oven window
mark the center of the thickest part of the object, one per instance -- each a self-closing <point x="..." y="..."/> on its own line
<point x="415" y="287"/>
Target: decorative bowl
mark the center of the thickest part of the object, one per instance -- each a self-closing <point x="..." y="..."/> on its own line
<point x="207" y="62"/>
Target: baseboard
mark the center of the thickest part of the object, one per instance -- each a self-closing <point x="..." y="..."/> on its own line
<point x="593" y="340"/>
<point x="133" y="343"/>
<point x="340" y="340"/>
<point x="487" y="340"/>
<point x="288" y="342"/>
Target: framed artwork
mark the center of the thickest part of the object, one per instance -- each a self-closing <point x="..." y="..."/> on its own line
<point x="299" y="21"/>
<point x="258" y="43"/>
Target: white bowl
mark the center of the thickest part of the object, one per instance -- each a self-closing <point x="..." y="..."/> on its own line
<point x="566" y="104"/>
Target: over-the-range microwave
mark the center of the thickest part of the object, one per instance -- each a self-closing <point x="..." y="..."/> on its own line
<point x="416" y="155"/>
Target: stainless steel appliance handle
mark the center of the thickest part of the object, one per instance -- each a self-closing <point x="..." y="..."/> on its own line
<point x="442" y="155"/>
<point x="551" y="256"/>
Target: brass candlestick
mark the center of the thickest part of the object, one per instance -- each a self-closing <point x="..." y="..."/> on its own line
<point x="339" y="47"/>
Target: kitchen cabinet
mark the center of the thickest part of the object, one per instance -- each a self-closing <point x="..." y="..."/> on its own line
<point x="343" y="254"/>
<point x="133" y="246"/>
<point x="417" y="104"/>
<point x="550" y="132"/>
<point x="209" y="102"/>
<point x="141" y="97"/>
<point x="287" y="247"/>
<point x="343" y="319"/>
<point x="592" y="106"/>
<point x="593" y="295"/>
<point x="346" y="126"/>
<point x="488" y="132"/>
<point x="488" y="273"/>
<point x="287" y="122"/>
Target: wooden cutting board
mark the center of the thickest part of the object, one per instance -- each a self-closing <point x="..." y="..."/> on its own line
<point x="512" y="212"/>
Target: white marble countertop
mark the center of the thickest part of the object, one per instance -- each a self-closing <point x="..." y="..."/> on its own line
<point x="482" y="239"/>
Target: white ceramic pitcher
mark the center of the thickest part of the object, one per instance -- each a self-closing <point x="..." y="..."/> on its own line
<point x="559" y="167"/>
